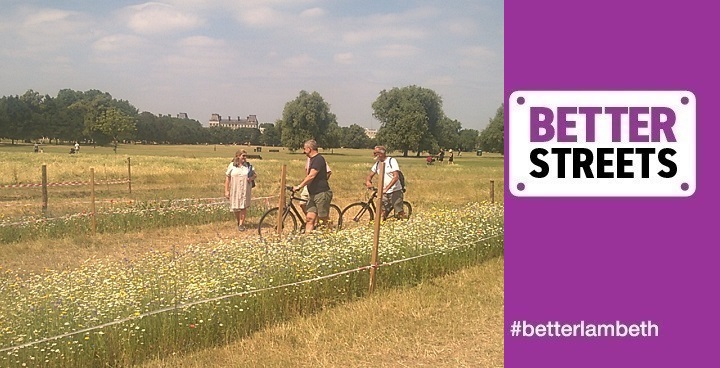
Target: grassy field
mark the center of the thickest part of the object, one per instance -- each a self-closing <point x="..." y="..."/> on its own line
<point x="452" y="321"/>
<point x="163" y="174"/>
<point x="144" y="225"/>
<point x="171" y="172"/>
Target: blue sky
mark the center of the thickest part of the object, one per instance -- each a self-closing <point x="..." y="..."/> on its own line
<point x="243" y="57"/>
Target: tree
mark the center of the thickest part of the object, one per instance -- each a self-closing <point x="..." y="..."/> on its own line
<point x="467" y="140"/>
<point x="306" y="117"/>
<point x="4" y="117"/>
<point x="271" y="134"/>
<point x="410" y="118"/>
<point x="247" y="135"/>
<point x="35" y="125"/>
<point x="492" y="138"/>
<point x="68" y="122"/>
<point x="114" y="123"/>
<point x="332" y="136"/>
<point x="147" y="127"/>
<point x="15" y="119"/>
<point x="448" y="133"/>
<point x="106" y="119"/>
<point x="220" y="135"/>
<point x="354" y="137"/>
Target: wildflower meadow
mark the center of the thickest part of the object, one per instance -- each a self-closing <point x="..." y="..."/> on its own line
<point x="123" y="311"/>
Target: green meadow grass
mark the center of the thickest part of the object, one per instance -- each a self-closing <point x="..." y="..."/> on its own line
<point x="211" y="295"/>
<point x="160" y="175"/>
<point x="453" y="226"/>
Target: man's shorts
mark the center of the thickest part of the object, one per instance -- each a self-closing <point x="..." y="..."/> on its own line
<point x="320" y="203"/>
<point x="392" y="201"/>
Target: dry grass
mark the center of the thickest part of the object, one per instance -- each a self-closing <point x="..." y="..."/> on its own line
<point x="177" y="172"/>
<point x="67" y="253"/>
<point x="453" y="321"/>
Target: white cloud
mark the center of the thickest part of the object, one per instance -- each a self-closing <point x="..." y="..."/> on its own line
<point x="150" y="18"/>
<point x="474" y="56"/>
<point x="263" y="17"/>
<point x="201" y="42"/>
<point x="412" y="24"/>
<point x="398" y="33"/>
<point x="344" y="58"/>
<point x="119" y="49"/>
<point x="46" y="17"/>
<point x="31" y="32"/>
<point x="117" y="43"/>
<point x="299" y="61"/>
<point x="476" y="52"/>
<point x="443" y="80"/>
<point x="397" y="50"/>
<point x="41" y="23"/>
<point x="463" y="27"/>
<point x="313" y="13"/>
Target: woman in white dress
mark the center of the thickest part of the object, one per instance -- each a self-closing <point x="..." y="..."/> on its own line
<point x="239" y="179"/>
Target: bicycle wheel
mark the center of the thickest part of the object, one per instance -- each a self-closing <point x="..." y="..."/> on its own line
<point x="334" y="222"/>
<point x="407" y="208"/>
<point x="268" y="223"/>
<point x="357" y="215"/>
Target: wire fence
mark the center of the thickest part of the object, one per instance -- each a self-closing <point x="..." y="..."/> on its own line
<point x="65" y="184"/>
<point x="240" y="294"/>
<point x="147" y="206"/>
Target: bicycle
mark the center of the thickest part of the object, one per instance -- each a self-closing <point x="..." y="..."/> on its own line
<point x="291" y="216"/>
<point x="362" y="213"/>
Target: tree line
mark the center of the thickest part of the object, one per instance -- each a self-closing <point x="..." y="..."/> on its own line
<point x="411" y="119"/>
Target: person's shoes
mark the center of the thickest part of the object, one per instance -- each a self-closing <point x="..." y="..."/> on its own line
<point x="241" y="228"/>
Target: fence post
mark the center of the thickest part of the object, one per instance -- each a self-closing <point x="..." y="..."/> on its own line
<point x="129" y="178"/>
<point x="378" y="217"/>
<point x="492" y="191"/>
<point x="44" y="190"/>
<point x="92" y="199"/>
<point x="281" y="202"/>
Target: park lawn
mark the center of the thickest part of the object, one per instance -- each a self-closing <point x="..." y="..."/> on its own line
<point x="164" y="172"/>
<point x="178" y="172"/>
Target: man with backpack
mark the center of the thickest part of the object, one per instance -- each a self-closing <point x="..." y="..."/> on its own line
<point x="392" y="192"/>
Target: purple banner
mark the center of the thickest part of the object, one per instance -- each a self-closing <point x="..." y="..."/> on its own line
<point x="614" y="263"/>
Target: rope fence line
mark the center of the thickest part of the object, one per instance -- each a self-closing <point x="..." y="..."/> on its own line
<point x="249" y="292"/>
<point x="216" y="201"/>
<point x="130" y="201"/>
<point x="68" y="183"/>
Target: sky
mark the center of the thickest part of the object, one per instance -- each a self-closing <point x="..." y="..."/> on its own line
<point x="250" y="57"/>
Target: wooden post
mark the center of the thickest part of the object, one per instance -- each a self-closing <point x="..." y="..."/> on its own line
<point x="281" y="201"/>
<point x="92" y="199"/>
<point x="44" y="190"/>
<point x="129" y="178"/>
<point x="378" y="217"/>
<point x="492" y="191"/>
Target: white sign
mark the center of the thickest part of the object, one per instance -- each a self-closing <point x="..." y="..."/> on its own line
<point x="602" y="143"/>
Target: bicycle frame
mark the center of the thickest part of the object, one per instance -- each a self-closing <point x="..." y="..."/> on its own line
<point x="371" y="204"/>
<point x="290" y="206"/>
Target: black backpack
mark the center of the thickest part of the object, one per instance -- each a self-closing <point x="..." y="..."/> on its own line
<point x="401" y="177"/>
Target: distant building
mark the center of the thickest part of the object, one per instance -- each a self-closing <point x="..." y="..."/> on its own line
<point x="371" y="133"/>
<point x="182" y="115"/>
<point x="250" y="122"/>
